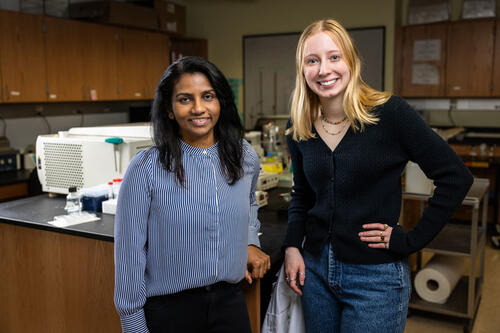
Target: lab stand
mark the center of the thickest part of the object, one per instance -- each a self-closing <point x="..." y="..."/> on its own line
<point x="463" y="240"/>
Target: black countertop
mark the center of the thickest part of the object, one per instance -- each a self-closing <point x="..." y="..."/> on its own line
<point x="14" y="177"/>
<point x="37" y="211"/>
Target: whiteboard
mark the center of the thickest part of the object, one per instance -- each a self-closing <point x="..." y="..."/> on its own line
<point x="269" y="69"/>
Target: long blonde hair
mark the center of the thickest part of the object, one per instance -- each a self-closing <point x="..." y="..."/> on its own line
<point x="359" y="97"/>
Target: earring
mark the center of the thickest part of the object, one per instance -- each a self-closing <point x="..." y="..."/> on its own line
<point x="171" y="115"/>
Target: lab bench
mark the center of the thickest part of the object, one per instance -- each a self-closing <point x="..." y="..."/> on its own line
<point x="62" y="279"/>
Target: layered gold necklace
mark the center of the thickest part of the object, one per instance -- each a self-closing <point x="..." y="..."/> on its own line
<point x="325" y="120"/>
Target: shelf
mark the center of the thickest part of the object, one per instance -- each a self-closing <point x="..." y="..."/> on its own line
<point x="454" y="239"/>
<point x="476" y="193"/>
<point x="456" y="304"/>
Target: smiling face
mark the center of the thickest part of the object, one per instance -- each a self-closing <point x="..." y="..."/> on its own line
<point x="196" y="109"/>
<point x="324" y="67"/>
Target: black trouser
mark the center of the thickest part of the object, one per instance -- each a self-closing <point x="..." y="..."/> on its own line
<point x="217" y="308"/>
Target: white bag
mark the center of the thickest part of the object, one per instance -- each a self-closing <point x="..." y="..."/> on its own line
<point x="284" y="313"/>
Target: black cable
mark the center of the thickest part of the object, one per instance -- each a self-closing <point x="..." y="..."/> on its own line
<point x="4" y="130"/>
<point x="451" y="118"/>
<point x="49" y="129"/>
<point x="80" y="112"/>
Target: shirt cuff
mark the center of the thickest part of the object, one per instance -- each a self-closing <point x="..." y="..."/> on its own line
<point x="294" y="235"/>
<point x="398" y="243"/>
<point x="253" y="237"/>
<point x="134" y="323"/>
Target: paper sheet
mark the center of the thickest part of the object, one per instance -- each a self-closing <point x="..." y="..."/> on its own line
<point x="63" y="221"/>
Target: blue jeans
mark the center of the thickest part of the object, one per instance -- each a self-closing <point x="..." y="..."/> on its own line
<point x="343" y="297"/>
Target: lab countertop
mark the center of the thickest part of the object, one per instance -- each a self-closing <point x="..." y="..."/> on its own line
<point x="14" y="177"/>
<point x="37" y="211"/>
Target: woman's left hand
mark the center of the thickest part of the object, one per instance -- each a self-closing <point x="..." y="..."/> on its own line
<point x="377" y="235"/>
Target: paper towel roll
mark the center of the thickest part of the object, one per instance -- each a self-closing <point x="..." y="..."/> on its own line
<point x="436" y="281"/>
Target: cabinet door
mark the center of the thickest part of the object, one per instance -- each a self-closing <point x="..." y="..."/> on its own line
<point x="157" y="61"/>
<point x="132" y="64"/>
<point x="424" y="59"/>
<point x="470" y="58"/>
<point x="22" y="61"/>
<point x="496" y="65"/>
<point x="64" y="53"/>
<point x="99" y="61"/>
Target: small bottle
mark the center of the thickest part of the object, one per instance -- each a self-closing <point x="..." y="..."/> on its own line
<point x="110" y="190"/>
<point x="73" y="201"/>
<point x="116" y="187"/>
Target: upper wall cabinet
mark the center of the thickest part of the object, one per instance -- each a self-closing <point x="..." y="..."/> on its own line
<point x="496" y="63"/>
<point x="470" y="60"/>
<point x="424" y="60"/>
<point x="157" y="61"/>
<point x="22" y="61"/>
<point x="142" y="58"/>
<point x="57" y="60"/>
<point x="64" y="53"/>
<point x="81" y="62"/>
<point x="446" y="60"/>
<point x="99" y="60"/>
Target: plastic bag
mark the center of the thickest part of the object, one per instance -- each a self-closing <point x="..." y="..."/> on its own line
<point x="284" y="312"/>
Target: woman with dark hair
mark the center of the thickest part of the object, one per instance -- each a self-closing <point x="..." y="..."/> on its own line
<point x="186" y="224"/>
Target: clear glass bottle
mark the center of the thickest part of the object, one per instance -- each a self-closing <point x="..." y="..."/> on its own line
<point x="117" y="182"/>
<point x="110" y="190"/>
<point x="73" y="201"/>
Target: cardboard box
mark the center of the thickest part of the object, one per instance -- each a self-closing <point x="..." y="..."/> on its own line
<point x="171" y="17"/>
<point x="119" y="13"/>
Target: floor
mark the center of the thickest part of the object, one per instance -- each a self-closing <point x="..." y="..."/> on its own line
<point x="488" y="315"/>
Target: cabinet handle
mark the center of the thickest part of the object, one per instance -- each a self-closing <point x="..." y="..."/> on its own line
<point x="457" y="88"/>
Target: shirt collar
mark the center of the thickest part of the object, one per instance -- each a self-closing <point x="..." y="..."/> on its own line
<point x="196" y="151"/>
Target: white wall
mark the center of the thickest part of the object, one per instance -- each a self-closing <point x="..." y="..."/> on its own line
<point x="224" y="23"/>
<point x="23" y="132"/>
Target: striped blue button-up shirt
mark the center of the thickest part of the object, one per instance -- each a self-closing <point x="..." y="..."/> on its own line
<point x="169" y="238"/>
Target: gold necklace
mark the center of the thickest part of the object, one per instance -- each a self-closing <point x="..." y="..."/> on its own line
<point x="334" y="133"/>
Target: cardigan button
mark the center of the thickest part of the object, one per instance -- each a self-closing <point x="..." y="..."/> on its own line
<point x="331" y="179"/>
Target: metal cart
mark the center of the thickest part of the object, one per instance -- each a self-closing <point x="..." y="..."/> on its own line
<point x="466" y="241"/>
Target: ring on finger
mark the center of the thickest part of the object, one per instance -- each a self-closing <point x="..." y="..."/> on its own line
<point x="302" y="273"/>
<point x="290" y="279"/>
<point x="386" y="226"/>
<point x="382" y="238"/>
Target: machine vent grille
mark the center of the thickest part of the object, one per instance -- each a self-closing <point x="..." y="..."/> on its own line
<point x="63" y="165"/>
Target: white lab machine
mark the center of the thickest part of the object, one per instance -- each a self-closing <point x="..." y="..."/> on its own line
<point x="81" y="157"/>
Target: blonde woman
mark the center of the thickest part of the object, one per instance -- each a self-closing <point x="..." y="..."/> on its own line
<point x="349" y="145"/>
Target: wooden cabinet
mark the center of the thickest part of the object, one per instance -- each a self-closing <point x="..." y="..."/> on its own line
<point x="142" y="58"/>
<point x="424" y="60"/>
<point x="470" y="60"/>
<point x="157" y="61"/>
<point x="496" y="63"/>
<point x="99" y="61"/>
<point x="64" y="57"/>
<point x="131" y="64"/>
<point x="58" y="60"/>
<point x="188" y="47"/>
<point x="460" y="65"/>
<point x="22" y="61"/>
<point x="81" y="61"/>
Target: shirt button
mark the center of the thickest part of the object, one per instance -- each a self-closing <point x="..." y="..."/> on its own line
<point x="204" y="152"/>
<point x="331" y="179"/>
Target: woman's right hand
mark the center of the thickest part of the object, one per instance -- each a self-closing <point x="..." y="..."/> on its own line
<point x="294" y="268"/>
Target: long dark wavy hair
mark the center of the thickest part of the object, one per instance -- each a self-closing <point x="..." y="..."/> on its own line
<point x="228" y="130"/>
